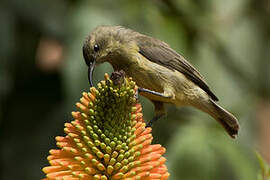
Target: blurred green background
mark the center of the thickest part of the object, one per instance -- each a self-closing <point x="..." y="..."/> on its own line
<point x="42" y="75"/>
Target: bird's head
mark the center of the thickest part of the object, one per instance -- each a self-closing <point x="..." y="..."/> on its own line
<point x="100" y="46"/>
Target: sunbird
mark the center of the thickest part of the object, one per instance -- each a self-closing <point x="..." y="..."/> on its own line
<point x="162" y="74"/>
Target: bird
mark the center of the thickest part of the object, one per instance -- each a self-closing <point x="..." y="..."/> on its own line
<point x="161" y="74"/>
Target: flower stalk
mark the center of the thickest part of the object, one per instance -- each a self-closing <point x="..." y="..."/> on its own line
<point x="107" y="138"/>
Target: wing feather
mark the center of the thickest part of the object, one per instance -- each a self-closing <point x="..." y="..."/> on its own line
<point x="161" y="53"/>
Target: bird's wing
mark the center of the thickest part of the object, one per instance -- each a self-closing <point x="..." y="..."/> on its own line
<point x="161" y="53"/>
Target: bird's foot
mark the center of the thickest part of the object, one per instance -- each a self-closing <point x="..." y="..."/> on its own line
<point x="137" y="94"/>
<point x="154" y="119"/>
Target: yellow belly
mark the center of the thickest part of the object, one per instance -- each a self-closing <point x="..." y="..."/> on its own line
<point x="158" y="78"/>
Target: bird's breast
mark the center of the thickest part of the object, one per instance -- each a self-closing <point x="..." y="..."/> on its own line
<point x="155" y="77"/>
<point x="146" y="74"/>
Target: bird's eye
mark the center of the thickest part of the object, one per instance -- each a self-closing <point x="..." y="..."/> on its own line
<point x="96" y="48"/>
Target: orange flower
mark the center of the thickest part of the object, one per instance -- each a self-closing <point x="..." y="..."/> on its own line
<point x="107" y="139"/>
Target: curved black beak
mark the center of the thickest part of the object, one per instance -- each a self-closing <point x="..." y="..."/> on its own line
<point x="91" y="68"/>
<point x="90" y="61"/>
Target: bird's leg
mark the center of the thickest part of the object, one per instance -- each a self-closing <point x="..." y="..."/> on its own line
<point x="159" y="106"/>
<point x="159" y="112"/>
<point x="140" y="89"/>
<point x="154" y="119"/>
<point x="137" y="94"/>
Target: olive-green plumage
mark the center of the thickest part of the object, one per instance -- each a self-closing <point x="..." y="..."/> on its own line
<point x="155" y="66"/>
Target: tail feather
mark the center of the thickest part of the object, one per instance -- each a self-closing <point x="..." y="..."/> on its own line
<point x="226" y="119"/>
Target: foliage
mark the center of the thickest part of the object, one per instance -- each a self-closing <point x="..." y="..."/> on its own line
<point x="265" y="169"/>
